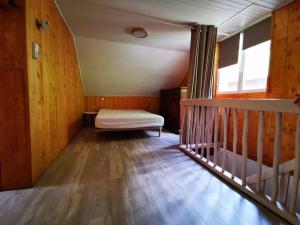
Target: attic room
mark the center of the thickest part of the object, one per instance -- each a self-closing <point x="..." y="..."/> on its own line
<point x="166" y="112"/>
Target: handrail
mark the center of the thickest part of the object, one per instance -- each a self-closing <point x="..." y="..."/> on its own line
<point x="205" y="126"/>
<point x="267" y="105"/>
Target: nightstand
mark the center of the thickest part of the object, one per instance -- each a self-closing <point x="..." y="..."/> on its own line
<point x="89" y="118"/>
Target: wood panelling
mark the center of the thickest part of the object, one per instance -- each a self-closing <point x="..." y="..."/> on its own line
<point x="14" y="132"/>
<point x="283" y="82"/>
<point x="15" y="166"/>
<point x="284" y="79"/>
<point x="148" y="103"/>
<point x="55" y="88"/>
<point x="12" y="35"/>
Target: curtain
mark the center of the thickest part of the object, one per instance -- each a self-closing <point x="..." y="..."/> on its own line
<point x="201" y="65"/>
<point x="201" y="70"/>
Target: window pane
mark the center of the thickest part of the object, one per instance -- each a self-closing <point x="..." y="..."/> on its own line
<point x="256" y="67"/>
<point x="228" y="78"/>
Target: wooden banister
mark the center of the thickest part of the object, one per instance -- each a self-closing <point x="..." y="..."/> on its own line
<point x="235" y="139"/>
<point x="225" y="125"/>
<point x="266" y="105"/>
<point x="245" y="146"/>
<point x="216" y="135"/>
<point x="296" y="168"/>
<point x="260" y="145"/>
<point x="206" y="126"/>
<point x="277" y="147"/>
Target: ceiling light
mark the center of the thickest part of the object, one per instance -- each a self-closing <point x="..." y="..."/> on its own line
<point x="139" y="32"/>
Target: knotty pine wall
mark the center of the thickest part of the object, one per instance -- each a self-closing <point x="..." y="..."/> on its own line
<point x="41" y="100"/>
<point x="148" y="103"/>
<point x="55" y="88"/>
<point x="283" y="82"/>
<point x="15" y="158"/>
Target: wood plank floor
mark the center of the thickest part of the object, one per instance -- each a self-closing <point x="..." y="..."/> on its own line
<point x="128" y="178"/>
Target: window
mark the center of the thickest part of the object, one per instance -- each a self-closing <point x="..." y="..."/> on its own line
<point x="256" y="67"/>
<point x="228" y="78"/>
<point x="250" y="73"/>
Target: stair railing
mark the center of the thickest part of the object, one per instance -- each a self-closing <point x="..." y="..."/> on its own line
<point x="204" y="133"/>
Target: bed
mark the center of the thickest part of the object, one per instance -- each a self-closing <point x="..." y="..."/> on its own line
<point x="121" y="120"/>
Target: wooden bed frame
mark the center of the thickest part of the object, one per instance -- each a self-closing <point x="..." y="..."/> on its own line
<point x="159" y="129"/>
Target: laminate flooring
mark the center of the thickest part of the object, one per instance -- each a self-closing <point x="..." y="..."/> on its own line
<point x="129" y="178"/>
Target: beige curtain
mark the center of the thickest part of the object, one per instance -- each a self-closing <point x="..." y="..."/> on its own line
<point x="202" y="57"/>
<point x="201" y="68"/>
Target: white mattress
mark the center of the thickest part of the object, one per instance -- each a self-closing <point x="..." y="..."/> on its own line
<point x="115" y="118"/>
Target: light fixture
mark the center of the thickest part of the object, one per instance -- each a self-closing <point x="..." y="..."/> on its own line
<point x="42" y="24"/>
<point x="139" y="32"/>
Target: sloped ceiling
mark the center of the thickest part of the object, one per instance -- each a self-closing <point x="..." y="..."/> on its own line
<point x="114" y="63"/>
<point x="116" y="68"/>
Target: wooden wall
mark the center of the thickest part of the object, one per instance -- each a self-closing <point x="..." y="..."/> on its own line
<point x="283" y="82"/>
<point x="15" y="165"/>
<point x="284" y="79"/>
<point x="55" y="88"/>
<point x="148" y="103"/>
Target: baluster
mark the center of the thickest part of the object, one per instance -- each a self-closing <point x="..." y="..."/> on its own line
<point x="203" y="111"/>
<point x="211" y="125"/>
<point x="193" y="123"/>
<point x="207" y="120"/>
<point x="283" y="188"/>
<point x="192" y="127"/>
<point x="260" y="145"/>
<point x="200" y="127"/>
<point x="277" y="147"/>
<point x="225" y="122"/>
<point x="182" y="123"/>
<point x="216" y="135"/>
<point x="197" y="129"/>
<point x="187" y="132"/>
<point x="207" y="128"/>
<point x="296" y="169"/>
<point x="221" y="128"/>
<point x="235" y="137"/>
<point x="245" y="146"/>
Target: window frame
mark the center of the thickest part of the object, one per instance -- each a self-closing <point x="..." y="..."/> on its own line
<point x="241" y="61"/>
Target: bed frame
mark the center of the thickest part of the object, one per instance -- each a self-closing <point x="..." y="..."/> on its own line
<point x="159" y="129"/>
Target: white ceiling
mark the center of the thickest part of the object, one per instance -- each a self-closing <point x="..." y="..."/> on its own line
<point x="115" y="63"/>
<point x="115" y="68"/>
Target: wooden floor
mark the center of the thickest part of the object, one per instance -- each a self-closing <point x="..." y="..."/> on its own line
<point x="128" y="178"/>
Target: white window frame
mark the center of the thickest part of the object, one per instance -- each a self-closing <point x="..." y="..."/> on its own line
<point x="241" y="56"/>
